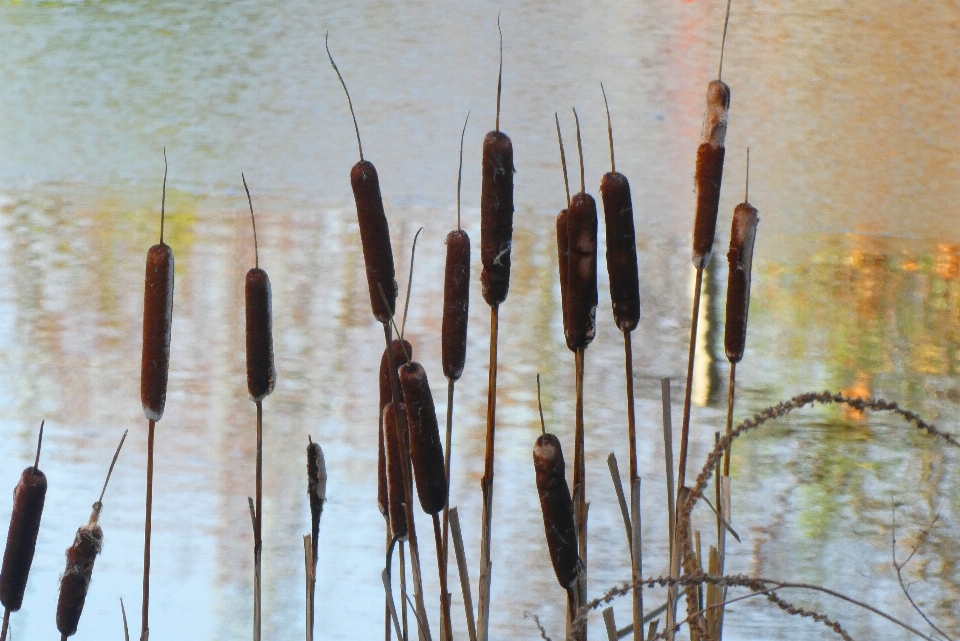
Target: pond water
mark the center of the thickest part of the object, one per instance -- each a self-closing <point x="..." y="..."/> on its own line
<point x="851" y="122"/>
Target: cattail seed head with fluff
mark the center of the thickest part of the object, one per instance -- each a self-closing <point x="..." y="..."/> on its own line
<point x="87" y="544"/>
<point x="742" y="237"/>
<point x="456" y="304"/>
<point x="557" y="507"/>
<point x="709" y="171"/>
<point x="75" y="581"/>
<point x="393" y="443"/>
<point x="316" y="489"/>
<point x="28" y="499"/>
<point x="426" y="451"/>
<point x="401" y="350"/>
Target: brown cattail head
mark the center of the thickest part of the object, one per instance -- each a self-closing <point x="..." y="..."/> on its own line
<point x="496" y="216"/>
<point x="426" y="452"/>
<point x="742" y="236"/>
<point x="557" y="507"/>
<point x="709" y="172"/>
<point x="375" y="238"/>
<point x="76" y="577"/>
<point x="621" y="250"/>
<point x="316" y="489"/>
<point x="456" y="304"/>
<point x="28" y="499"/>
<point x="392" y="424"/>
<point x="708" y="177"/>
<point x="157" y="321"/>
<point x="261" y="374"/>
<point x="581" y="271"/>
<point x="401" y="349"/>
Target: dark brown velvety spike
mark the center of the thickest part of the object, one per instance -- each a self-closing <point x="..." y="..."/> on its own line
<point x="28" y="499"/>
<point x="76" y="578"/>
<point x="394" y="442"/>
<point x="456" y="304"/>
<point x="426" y="452"/>
<point x="742" y="236"/>
<point x="400" y="352"/>
<point x="496" y="216"/>
<point x="261" y="374"/>
<point x="563" y="257"/>
<point x="621" y="250"/>
<point x="375" y="238"/>
<point x="581" y="271"/>
<point x="157" y="321"/>
<point x="557" y="507"/>
<point x="708" y="178"/>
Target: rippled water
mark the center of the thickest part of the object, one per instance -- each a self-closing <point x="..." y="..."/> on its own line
<point x="850" y="120"/>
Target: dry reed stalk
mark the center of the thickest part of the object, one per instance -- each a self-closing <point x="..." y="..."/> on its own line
<point x="671" y="504"/>
<point x="81" y="557"/>
<point x="496" y="241"/>
<point x="154" y="367"/>
<point x="464" y="573"/>
<point x="28" y="499"/>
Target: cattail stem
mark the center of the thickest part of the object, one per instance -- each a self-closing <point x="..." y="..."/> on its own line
<point x="258" y="528"/>
<point x="688" y="394"/>
<point x="403" y="592"/>
<point x="730" y="395"/>
<point x="407" y="485"/>
<point x="579" y="466"/>
<point x="6" y="624"/>
<point x="671" y="503"/>
<point x="386" y="598"/>
<point x="483" y="614"/>
<point x="147" y="528"/>
<point x="631" y="415"/>
<point x="446" y="508"/>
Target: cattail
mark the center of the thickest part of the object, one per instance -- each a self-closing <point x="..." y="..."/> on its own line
<point x="261" y="375"/>
<point x="581" y="296"/>
<point x="393" y="442"/>
<point x="426" y="452"/>
<point x="401" y="349"/>
<point x="456" y="304"/>
<point x="496" y="216"/>
<point x="709" y="171"/>
<point x="742" y="236"/>
<point x="155" y="363"/>
<point x="81" y="556"/>
<point x="28" y="498"/>
<point x="621" y="241"/>
<point x="316" y="490"/>
<point x="557" y="507"/>
<point x="157" y="321"/>
<point x="374" y="231"/>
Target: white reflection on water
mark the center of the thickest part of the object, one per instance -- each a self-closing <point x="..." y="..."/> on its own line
<point x="856" y="288"/>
